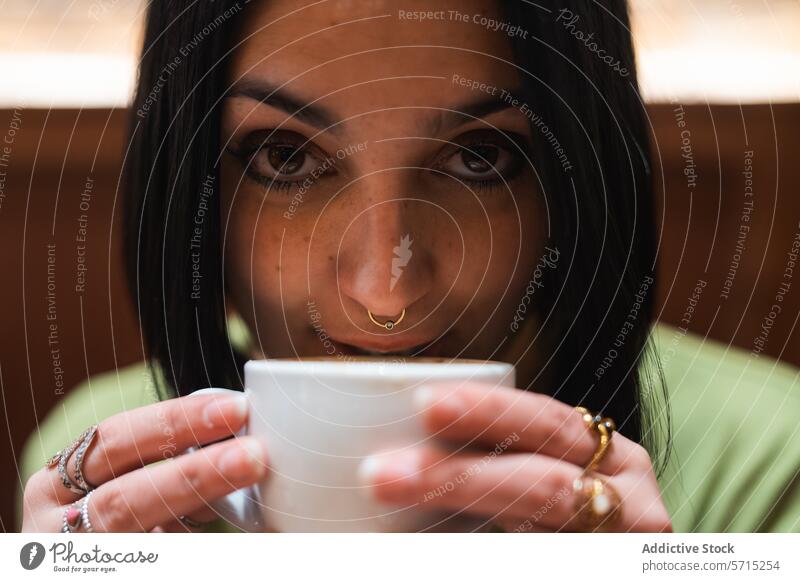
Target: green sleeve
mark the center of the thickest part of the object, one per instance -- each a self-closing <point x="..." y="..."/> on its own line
<point x="736" y="459"/>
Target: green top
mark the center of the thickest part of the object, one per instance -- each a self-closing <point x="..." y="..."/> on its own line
<point x="735" y="465"/>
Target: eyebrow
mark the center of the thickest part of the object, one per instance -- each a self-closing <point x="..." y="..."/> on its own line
<point x="322" y="118"/>
<point x="310" y="113"/>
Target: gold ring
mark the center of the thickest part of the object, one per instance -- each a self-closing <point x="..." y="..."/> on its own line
<point x="389" y="324"/>
<point x="596" y="504"/>
<point x="605" y="426"/>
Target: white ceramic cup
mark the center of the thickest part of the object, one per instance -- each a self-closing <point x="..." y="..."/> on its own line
<point x="319" y="419"/>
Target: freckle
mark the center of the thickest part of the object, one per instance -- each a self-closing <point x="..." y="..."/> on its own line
<point x="307" y="238"/>
<point x="330" y="257"/>
<point x="277" y="268"/>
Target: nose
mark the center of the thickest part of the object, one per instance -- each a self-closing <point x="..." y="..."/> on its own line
<point x="384" y="265"/>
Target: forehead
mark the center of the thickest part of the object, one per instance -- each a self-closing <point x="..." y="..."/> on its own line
<point x="367" y="54"/>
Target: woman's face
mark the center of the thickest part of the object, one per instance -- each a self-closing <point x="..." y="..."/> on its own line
<point x="364" y="171"/>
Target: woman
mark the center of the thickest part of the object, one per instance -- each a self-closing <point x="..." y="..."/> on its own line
<point x="466" y="181"/>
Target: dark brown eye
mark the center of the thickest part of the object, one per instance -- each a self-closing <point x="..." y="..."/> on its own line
<point x="480" y="158"/>
<point x="285" y="159"/>
<point x="481" y="161"/>
<point x="284" y="162"/>
<point x="282" y="159"/>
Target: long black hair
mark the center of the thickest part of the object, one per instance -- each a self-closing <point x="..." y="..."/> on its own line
<point x="591" y="155"/>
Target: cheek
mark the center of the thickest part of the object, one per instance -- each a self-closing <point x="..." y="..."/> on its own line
<point x="269" y="259"/>
<point x="501" y="249"/>
<point x="252" y="252"/>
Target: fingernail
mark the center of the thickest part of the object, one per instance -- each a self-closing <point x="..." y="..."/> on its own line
<point x="226" y="411"/>
<point x="445" y="401"/>
<point x="256" y="455"/>
<point x="423" y="397"/>
<point x="249" y="453"/>
<point x="393" y="473"/>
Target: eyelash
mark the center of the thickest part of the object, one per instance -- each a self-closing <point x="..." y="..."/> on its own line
<point x="499" y="182"/>
<point x="481" y="185"/>
<point x="246" y="155"/>
<point x="275" y="184"/>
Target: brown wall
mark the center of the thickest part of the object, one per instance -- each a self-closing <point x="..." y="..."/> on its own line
<point x="53" y="154"/>
<point x="52" y="157"/>
<point x="707" y="227"/>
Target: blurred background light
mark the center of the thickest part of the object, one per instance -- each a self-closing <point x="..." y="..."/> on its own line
<point x="69" y="53"/>
<point x="719" y="51"/>
<point x="82" y="53"/>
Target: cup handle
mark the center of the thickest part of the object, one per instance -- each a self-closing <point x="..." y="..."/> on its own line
<point x="242" y="507"/>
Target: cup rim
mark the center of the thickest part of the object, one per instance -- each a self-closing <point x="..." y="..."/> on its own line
<point x="426" y="367"/>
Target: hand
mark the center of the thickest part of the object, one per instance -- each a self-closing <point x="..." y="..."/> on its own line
<point x="534" y="447"/>
<point x="134" y="492"/>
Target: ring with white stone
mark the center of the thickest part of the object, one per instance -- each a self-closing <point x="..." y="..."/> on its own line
<point x="597" y="503"/>
<point x="605" y="427"/>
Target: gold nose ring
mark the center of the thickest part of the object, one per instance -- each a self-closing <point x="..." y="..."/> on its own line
<point x="389" y="324"/>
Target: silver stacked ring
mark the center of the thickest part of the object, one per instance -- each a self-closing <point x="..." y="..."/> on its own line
<point x="87" y="523"/>
<point x="63" y="456"/>
<point x="79" y="455"/>
<point x="60" y="459"/>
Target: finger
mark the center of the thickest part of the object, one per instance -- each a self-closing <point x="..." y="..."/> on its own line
<point x="129" y="440"/>
<point x="156" y="494"/>
<point x="517" y="486"/>
<point x="204" y="515"/>
<point x="50" y="519"/>
<point x="196" y="521"/>
<point x="535" y="489"/>
<point x="516" y="525"/>
<point x="46" y="519"/>
<point x="527" y="421"/>
<point x="186" y="526"/>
